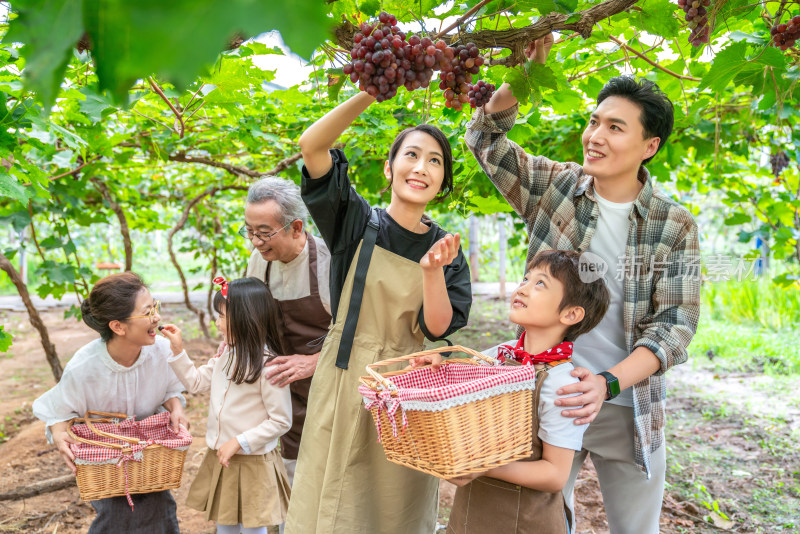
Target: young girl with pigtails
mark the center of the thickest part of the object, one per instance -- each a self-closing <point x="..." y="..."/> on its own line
<point x="242" y="483"/>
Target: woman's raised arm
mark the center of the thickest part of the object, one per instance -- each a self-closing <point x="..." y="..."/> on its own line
<point x="320" y="136"/>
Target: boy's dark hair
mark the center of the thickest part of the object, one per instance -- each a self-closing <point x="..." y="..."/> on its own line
<point x="254" y="322"/>
<point x="112" y="299"/>
<point x="444" y="144"/>
<point x="657" y="116"/>
<point x="593" y="297"/>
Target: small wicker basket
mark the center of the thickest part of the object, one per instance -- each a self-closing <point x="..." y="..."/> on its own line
<point x="161" y="467"/>
<point x="459" y="440"/>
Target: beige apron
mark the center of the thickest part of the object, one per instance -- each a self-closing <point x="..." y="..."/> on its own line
<point x="344" y="484"/>
<point x="488" y="505"/>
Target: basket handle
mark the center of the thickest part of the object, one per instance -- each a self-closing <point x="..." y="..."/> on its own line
<point x="453" y="348"/>
<point x="88" y="421"/>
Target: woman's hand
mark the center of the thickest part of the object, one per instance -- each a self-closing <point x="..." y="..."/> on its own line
<point x="173" y="333"/>
<point x="62" y="439"/>
<point x="227" y="451"/>
<point x="538" y="50"/>
<point x="177" y="416"/>
<point x="442" y="253"/>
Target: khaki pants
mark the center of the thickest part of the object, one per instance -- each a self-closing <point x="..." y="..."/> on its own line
<point x="632" y="502"/>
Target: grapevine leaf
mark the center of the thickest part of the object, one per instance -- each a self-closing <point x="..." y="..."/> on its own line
<point x="370" y="8"/>
<point x="726" y="65"/>
<point x="335" y="82"/>
<point x="542" y="75"/>
<point x="749" y="37"/>
<point x="771" y="57"/>
<point x="129" y="38"/>
<point x="548" y="6"/>
<point x="96" y="107"/>
<point x="489" y="206"/>
<point x="737" y="219"/>
<point x="520" y="87"/>
<point x="10" y="187"/>
<point x="656" y="17"/>
<point x="48" y="29"/>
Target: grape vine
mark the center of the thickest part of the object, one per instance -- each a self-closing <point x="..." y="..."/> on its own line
<point x="697" y="17"/>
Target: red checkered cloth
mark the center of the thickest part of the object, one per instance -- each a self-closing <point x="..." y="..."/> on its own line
<point x="151" y="430"/>
<point x="454" y="384"/>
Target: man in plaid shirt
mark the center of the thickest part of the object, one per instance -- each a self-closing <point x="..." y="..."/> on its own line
<point x="607" y="210"/>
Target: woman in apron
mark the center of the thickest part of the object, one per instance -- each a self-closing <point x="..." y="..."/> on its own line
<point x="396" y="278"/>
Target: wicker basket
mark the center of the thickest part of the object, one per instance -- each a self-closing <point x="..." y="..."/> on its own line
<point x="160" y="469"/>
<point x="455" y="441"/>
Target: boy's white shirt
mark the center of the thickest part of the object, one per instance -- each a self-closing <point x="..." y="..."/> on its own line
<point x="554" y="428"/>
<point x="255" y="414"/>
<point x="604" y="346"/>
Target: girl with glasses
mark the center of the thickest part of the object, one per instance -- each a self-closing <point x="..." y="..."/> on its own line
<point x="124" y="371"/>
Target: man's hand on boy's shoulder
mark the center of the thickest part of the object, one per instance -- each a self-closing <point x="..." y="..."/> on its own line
<point x="591" y="394"/>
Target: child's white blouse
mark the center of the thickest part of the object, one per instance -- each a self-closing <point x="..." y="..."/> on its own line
<point x="92" y="380"/>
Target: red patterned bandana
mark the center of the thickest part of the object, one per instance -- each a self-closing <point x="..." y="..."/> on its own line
<point x="562" y="351"/>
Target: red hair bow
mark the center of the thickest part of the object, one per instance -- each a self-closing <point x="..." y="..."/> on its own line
<point x="223" y="285"/>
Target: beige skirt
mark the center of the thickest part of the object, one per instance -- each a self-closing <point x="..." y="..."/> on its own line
<point x="263" y="484"/>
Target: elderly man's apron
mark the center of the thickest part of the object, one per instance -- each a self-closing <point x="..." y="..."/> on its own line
<point x="305" y="323"/>
<point x="344" y="483"/>
<point x="491" y="505"/>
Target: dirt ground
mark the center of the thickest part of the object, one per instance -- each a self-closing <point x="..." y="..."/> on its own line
<point x="25" y="457"/>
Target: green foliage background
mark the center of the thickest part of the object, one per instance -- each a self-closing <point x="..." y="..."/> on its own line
<point x="153" y="121"/>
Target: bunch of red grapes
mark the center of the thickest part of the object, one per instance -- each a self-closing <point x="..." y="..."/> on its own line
<point x="785" y="35"/>
<point x="383" y="60"/>
<point x="697" y="17"/>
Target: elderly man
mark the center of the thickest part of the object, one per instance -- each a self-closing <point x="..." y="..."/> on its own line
<point x="295" y="267"/>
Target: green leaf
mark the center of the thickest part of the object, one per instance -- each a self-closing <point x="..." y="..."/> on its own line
<point x="370" y="8"/>
<point x="520" y="87"/>
<point x="10" y="187"/>
<point x="490" y="205"/>
<point x="5" y="339"/>
<point x="335" y="85"/>
<point x="725" y="67"/>
<point x="748" y="37"/>
<point x="49" y="29"/>
<point x="541" y="75"/>
<point x="737" y="219"/>
<point x="130" y="38"/>
<point x="657" y="17"/>
<point x="548" y="6"/>
<point x="96" y="107"/>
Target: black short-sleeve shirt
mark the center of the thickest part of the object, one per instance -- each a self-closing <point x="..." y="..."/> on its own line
<point x="341" y="216"/>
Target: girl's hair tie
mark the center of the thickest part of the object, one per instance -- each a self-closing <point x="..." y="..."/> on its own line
<point x="220" y="281"/>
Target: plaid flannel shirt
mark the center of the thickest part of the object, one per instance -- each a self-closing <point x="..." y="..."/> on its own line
<point x="661" y="266"/>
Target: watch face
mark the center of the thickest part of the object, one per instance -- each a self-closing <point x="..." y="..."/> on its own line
<point x="613" y="387"/>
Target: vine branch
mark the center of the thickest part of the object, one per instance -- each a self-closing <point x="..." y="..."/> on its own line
<point x="178" y="114"/>
<point x="651" y="62"/>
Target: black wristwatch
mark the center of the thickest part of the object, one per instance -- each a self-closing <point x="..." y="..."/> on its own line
<point x="612" y="384"/>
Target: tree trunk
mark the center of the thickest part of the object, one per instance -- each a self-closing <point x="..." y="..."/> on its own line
<point x="501" y="254"/>
<point x="474" y="247"/>
<point x="33" y="313"/>
<point x="123" y="221"/>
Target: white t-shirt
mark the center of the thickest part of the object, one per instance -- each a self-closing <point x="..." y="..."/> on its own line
<point x="92" y="380"/>
<point x="554" y="428"/>
<point x="290" y="281"/>
<point x="604" y="346"/>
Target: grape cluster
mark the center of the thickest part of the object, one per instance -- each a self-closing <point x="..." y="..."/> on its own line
<point x="785" y="35"/>
<point x="384" y="59"/>
<point x="480" y="93"/>
<point x="456" y="74"/>
<point x="697" y="17"/>
<point x="779" y="161"/>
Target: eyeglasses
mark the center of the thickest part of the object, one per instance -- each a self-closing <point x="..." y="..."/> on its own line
<point x="149" y="315"/>
<point x="249" y="234"/>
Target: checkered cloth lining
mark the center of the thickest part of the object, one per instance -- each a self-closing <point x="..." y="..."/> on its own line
<point x="153" y="429"/>
<point x="453" y="385"/>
